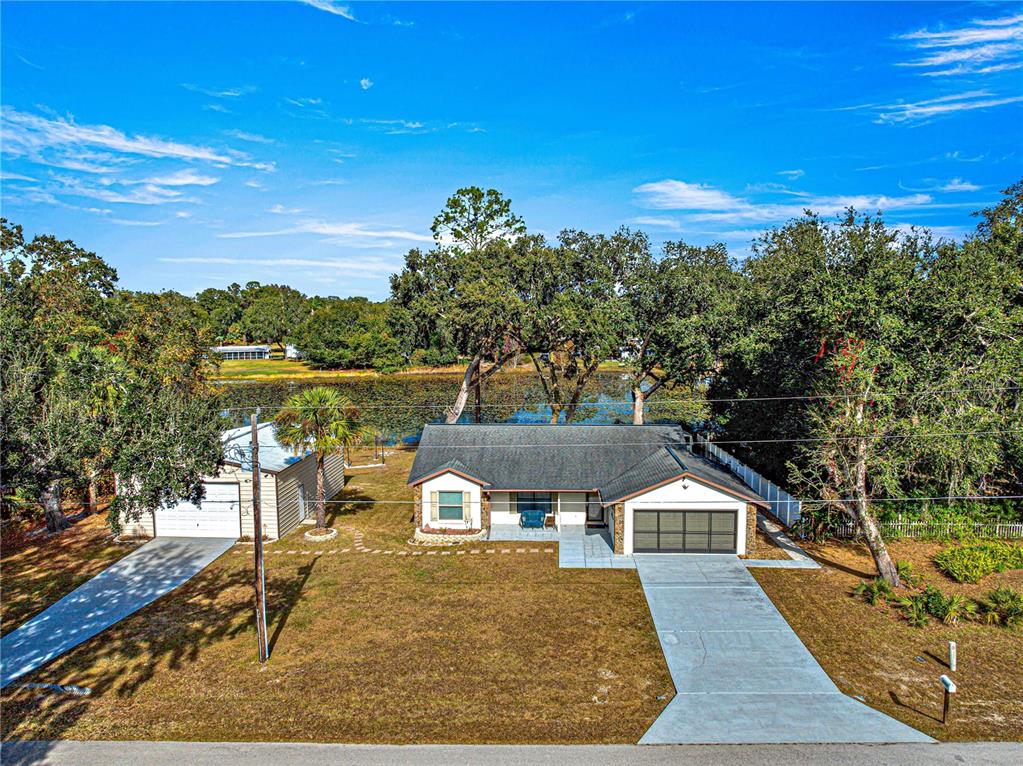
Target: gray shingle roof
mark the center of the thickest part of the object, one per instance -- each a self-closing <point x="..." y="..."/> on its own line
<point x="615" y="460"/>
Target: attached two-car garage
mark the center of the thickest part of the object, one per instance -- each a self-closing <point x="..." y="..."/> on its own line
<point x="684" y="531"/>
<point x="218" y="515"/>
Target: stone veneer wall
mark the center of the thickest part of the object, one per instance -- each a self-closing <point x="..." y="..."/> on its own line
<point x="417" y="495"/>
<point x="484" y="511"/>
<point x="751" y="530"/>
<point x="618" y="510"/>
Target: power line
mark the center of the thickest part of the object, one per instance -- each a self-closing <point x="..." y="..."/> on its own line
<point x="715" y="442"/>
<point x="652" y="401"/>
<point x="952" y="498"/>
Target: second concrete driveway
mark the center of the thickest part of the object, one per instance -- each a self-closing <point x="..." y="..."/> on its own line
<point x="141" y="577"/>
<point x="741" y="673"/>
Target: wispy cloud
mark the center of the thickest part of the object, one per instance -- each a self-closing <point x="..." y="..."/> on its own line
<point x="792" y="175"/>
<point x="182" y="178"/>
<point x="705" y="204"/>
<point x="279" y="209"/>
<point x="219" y="92"/>
<point x="397" y="127"/>
<point x="31" y="135"/>
<point x="338" y="9"/>
<point x="338" y="233"/>
<point x="981" y="47"/>
<point x="680" y="195"/>
<point x="957" y="102"/>
<point x="5" y="176"/>
<point x="362" y="265"/>
<point x="252" y="138"/>
<point x="365" y="83"/>
<point x="952" y="185"/>
<point x="302" y="103"/>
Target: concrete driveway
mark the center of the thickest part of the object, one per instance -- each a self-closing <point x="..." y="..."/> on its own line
<point x="141" y="577"/>
<point x="741" y="673"/>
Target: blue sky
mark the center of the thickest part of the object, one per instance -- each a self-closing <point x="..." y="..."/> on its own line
<point x="193" y="145"/>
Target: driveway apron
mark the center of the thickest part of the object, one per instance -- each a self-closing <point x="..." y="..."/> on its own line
<point x="141" y="577"/>
<point x="741" y="674"/>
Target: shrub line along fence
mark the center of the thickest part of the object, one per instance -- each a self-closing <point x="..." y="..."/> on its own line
<point x="784" y="507"/>
<point x="939" y="529"/>
<point x="787" y="509"/>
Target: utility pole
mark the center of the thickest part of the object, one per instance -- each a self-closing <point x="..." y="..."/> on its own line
<point x="257" y="524"/>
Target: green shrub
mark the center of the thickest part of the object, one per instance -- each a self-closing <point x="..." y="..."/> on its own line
<point x="874" y="591"/>
<point x="915" y="608"/>
<point x="971" y="563"/>
<point x="948" y="609"/>
<point x="1003" y="606"/>
<point x="906" y="572"/>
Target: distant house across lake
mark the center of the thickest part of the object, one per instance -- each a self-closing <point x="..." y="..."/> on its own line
<point x="242" y="352"/>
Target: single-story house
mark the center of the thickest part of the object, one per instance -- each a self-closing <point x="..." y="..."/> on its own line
<point x="287" y="492"/>
<point x="242" y="352"/>
<point x="643" y="483"/>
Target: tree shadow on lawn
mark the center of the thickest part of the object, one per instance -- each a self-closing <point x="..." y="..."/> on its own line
<point x="352" y="505"/>
<point x="168" y="635"/>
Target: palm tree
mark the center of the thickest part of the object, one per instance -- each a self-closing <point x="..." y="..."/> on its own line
<point x="325" y="421"/>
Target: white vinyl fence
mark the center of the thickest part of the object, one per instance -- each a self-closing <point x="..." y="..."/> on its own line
<point x="938" y="529"/>
<point x="785" y="507"/>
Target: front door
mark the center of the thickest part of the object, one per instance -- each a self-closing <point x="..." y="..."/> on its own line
<point x="594" y="512"/>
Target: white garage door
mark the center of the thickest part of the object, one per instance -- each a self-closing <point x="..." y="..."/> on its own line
<point x="216" y="516"/>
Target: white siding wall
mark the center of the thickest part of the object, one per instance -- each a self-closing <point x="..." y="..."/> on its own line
<point x="278" y="494"/>
<point x="696" y="497"/>
<point x="267" y="500"/>
<point x="449" y="482"/>
<point x="143" y="527"/>
<point x="502" y="509"/>
<point x="571" y="508"/>
<point x="304" y="473"/>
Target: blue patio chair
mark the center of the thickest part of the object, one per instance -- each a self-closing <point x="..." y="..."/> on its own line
<point x="532" y="519"/>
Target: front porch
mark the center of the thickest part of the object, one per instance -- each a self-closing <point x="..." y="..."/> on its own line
<point x="579" y="547"/>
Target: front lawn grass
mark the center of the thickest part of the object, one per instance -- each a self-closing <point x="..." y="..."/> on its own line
<point x="501" y="647"/>
<point x="48" y="567"/>
<point x="872" y="651"/>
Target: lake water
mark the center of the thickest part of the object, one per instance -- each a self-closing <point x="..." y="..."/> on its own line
<point x="398" y="406"/>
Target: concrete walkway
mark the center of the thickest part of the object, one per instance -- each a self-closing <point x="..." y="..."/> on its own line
<point x="741" y="674"/>
<point x="580" y="547"/>
<point x="797" y="557"/>
<point x="121" y="589"/>
<point x="311" y="754"/>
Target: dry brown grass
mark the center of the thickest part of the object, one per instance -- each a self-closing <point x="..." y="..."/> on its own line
<point x="766" y="549"/>
<point x="370" y="648"/>
<point x="48" y="567"/>
<point x="873" y="651"/>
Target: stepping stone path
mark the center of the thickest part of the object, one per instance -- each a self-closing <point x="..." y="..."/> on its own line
<point x="359" y="547"/>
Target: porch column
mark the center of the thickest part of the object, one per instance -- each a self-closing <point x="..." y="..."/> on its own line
<point x="751" y="530"/>
<point x="619" y="522"/>
<point x="417" y="495"/>
<point x="484" y="510"/>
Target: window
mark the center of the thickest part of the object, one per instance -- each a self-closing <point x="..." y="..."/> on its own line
<point x="449" y="506"/>
<point x="533" y="501"/>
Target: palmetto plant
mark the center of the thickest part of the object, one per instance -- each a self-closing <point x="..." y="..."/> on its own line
<point x="322" y="420"/>
<point x="875" y="591"/>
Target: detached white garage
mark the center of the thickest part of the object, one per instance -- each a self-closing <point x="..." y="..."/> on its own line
<point x="286" y="480"/>
<point x="218" y="515"/>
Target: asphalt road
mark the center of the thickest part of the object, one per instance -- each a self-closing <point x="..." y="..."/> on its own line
<point x="261" y="754"/>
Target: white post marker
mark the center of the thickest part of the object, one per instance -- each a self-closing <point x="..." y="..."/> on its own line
<point x="952" y="656"/>
<point x="950" y="689"/>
